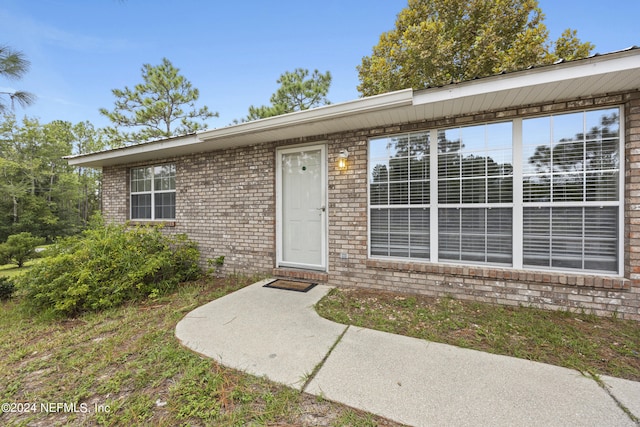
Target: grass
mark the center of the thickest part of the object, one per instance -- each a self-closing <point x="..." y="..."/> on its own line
<point x="11" y="270"/>
<point x="590" y="344"/>
<point x="125" y="367"/>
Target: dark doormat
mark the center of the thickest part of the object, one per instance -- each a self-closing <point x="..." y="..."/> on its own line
<point x="290" y="285"/>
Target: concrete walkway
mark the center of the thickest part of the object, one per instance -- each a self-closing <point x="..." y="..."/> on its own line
<point x="277" y="334"/>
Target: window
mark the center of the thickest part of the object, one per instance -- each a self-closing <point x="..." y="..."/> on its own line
<point x="400" y="196"/>
<point x="571" y="168"/>
<point x="542" y="193"/>
<point x="153" y="192"/>
<point x="475" y="193"/>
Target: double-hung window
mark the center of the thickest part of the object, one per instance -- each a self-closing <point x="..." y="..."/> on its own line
<point x="571" y="193"/>
<point x="541" y="193"/>
<point x="475" y="193"/>
<point x="153" y="192"/>
<point x="400" y="195"/>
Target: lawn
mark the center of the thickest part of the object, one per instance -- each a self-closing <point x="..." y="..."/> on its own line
<point x="10" y="270"/>
<point x="590" y="344"/>
<point x="125" y="367"/>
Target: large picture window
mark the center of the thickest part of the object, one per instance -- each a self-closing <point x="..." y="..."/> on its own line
<point x="542" y="193"/>
<point x="153" y="192"/>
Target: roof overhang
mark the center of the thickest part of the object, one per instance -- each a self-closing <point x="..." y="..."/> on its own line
<point x="597" y="75"/>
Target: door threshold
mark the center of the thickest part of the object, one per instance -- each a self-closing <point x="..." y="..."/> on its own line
<point x="301" y="274"/>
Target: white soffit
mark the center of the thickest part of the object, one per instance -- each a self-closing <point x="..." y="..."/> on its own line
<point x="318" y="121"/>
<point x="138" y="153"/>
<point x="576" y="79"/>
<point x="598" y="75"/>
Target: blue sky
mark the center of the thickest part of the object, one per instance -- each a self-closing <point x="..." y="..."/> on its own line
<point x="232" y="51"/>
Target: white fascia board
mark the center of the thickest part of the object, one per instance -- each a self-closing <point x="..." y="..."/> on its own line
<point x="141" y="151"/>
<point x="589" y="67"/>
<point x="184" y="145"/>
<point x="359" y="106"/>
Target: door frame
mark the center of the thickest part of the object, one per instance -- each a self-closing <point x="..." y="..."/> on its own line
<point x="323" y="195"/>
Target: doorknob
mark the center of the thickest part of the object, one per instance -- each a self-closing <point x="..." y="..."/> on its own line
<point x="321" y="209"/>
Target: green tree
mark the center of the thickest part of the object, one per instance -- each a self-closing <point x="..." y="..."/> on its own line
<point x="14" y="185"/>
<point x="39" y="192"/>
<point x="87" y="140"/>
<point x="298" y="91"/>
<point x="13" y="66"/>
<point x="20" y="248"/>
<point x="160" y="107"/>
<point x="436" y="42"/>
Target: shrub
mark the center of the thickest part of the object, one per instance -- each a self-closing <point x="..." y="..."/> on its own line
<point x="20" y="248"/>
<point x="6" y="288"/>
<point x="108" y="265"/>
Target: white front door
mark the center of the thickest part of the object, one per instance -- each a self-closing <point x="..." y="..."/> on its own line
<point x="302" y="212"/>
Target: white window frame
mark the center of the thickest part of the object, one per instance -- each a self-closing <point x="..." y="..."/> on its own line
<point x="570" y="204"/>
<point x="486" y="205"/>
<point x="406" y="206"/>
<point x="517" y="204"/>
<point x="152" y="192"/>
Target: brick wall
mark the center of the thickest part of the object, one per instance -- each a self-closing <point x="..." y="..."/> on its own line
<point x="115" y="186"/>
<point x="226" y="201"/>
<point x="550" y="290"/>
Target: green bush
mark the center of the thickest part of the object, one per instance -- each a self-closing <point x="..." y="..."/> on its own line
<point x="20" y="248"/>
<point x="108" y="265"/>
<point x="6" y="288"/>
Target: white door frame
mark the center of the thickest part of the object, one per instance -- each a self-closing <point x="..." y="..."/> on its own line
<point x="279" y="207"/>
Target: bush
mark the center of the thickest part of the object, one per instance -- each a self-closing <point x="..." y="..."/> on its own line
<point x="108" y="265"/>
<point x="20" y="248"/>
<point x="6" y="288"/>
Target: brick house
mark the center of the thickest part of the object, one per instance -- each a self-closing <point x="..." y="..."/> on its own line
<point x="520" y="188"/>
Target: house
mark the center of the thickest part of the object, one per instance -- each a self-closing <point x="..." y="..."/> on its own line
<point x="519" y="188"/>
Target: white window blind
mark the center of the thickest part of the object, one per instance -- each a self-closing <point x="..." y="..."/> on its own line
<point x="399" y="196"/>
<point x="571" y="237"/>
<point x="475" y="168"/>
<point x="461" y="205"/>
<point x="153" y="192"/>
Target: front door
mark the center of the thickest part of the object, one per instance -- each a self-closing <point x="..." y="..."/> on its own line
<point x="302" y="207"/>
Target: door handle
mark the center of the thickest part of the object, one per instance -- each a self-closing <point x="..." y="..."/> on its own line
<point x="323" y="209"/>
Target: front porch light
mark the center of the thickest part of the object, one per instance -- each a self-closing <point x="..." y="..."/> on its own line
<point x="342" y="159"/>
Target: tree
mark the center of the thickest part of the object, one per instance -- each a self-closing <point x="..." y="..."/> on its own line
<point x="87" y="140"/>
<point x="436" y="42"/>
<point x="13" y="65"/>
<point x="160" y="107"/>
<point x="297" y="92"/>
<point x="39" y="191"/>
<point x="20" y="248"/>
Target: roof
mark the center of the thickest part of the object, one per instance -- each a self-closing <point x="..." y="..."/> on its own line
<point x="599" y="74"/>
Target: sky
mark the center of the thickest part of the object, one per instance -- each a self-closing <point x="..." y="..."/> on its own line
<point x="233" y="51"/>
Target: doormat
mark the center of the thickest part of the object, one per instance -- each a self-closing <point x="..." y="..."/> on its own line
<point x="290" y="285"/>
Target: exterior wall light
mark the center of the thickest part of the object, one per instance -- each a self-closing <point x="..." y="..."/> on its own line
<point x="342" y="159"/>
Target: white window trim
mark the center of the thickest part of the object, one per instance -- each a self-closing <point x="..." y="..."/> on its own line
<point x="517" y="205"/>
<point x="152" y="192"/>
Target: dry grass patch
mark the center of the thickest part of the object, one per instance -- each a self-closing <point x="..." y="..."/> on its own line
<point x="124" y="366"/>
